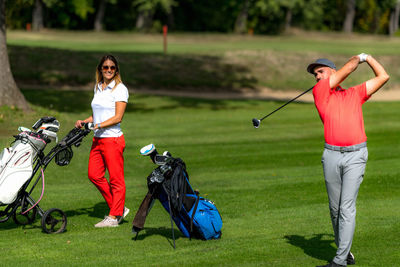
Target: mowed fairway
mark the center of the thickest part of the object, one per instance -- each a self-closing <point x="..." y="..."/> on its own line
<point x="267" y="183"/>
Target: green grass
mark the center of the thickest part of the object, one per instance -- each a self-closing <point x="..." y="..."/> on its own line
<point x="204" y="43"/>
<point x="267" y="184"/>
<point x="210" y="62"/>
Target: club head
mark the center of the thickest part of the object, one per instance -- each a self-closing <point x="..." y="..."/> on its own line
<point x="256" y="123"/>
<point x="149" y="150"/>
<point x="166" y="153"/>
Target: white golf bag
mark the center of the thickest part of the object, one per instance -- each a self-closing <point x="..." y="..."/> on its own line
<point x="16" y="162"/>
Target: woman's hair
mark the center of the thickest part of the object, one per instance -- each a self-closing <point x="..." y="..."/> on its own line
<point x="99" y="74"/>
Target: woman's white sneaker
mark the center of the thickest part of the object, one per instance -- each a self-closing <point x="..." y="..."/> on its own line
<point x="107" y="222"/>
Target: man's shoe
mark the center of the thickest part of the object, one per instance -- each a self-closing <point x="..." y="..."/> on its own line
<point x="350" y="259"/>
<point x="121" y="218"/>
<point x="332" y="264"/>
<point x="107" y="222"/>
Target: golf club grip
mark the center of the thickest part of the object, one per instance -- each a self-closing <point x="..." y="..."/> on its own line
<point x="287" y="103"/>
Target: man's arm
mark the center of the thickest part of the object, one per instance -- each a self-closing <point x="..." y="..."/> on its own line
<point x="381" y="77"/>
<point x="339" y="76"/>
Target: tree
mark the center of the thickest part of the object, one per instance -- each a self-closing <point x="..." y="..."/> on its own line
<point x="241" y="20"/>
<point x="98" y="21"/>
<point x="290" y="7"/>
<point x="350" y="14"/>
<point x="146" y="10"/>
<point x="37" y="16"/>
<point x="9" y="92"/>
<point x="394" y="18"/>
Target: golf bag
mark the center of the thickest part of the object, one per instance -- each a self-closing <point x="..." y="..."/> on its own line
<point x="16" y="163"/>
<point x="20" y="163"/>
<point x="194" y="216"/>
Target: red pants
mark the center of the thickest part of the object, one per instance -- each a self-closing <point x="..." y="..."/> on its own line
<point x="108" y="153"/>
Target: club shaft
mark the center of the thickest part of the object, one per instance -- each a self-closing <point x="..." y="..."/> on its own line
<point x="286" y="103"/>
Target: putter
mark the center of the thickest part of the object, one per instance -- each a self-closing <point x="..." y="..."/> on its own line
<point x="256" y="122"/>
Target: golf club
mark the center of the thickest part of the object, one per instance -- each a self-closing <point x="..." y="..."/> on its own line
<point x="257" y="122"/>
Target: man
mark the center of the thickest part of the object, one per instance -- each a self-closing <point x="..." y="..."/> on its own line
<point x="345" y="154"/>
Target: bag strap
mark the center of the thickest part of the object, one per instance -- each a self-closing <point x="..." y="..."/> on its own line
<point x="193" y="213"/>
<point x="141" y="214"/>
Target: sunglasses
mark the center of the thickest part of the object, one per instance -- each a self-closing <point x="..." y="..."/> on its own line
<point x="109" y="67"/>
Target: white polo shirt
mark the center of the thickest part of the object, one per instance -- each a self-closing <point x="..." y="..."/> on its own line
<point x="103" y="107"/>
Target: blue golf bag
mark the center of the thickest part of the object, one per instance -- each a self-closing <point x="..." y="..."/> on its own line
<point x="195" y="216"/>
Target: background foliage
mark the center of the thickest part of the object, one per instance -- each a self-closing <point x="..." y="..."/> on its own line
<point x="263" y="16"/>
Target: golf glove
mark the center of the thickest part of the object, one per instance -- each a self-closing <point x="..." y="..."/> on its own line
<point x="363" y="57"/>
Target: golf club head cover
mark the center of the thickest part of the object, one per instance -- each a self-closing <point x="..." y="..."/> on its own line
<point x="149" y="150"/>
<point x="41" y="121"/>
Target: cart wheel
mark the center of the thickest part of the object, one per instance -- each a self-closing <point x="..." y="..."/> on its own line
<point x="27" y="218"/>
<point x="54" y="221"/>
<point x="4" y="216"/>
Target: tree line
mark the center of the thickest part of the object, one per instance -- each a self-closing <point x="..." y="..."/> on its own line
<point x="227" y="16"/>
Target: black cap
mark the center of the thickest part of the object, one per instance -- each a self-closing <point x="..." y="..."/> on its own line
<point x="320" y="62"/>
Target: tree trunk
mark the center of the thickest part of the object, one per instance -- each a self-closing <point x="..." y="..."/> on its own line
<point x="9" y="93"/>
<point x="171" y="19"/>
<point x="394" y="19"/>
<point x="98" y="21"/>
<point x="144" y="21"/>
<point x="241" y="20"/>
<point x="37" y="16"/>
<point x="350" y="14"/>
<point x="288" y="19"/>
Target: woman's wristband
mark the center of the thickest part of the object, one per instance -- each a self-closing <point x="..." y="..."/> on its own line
<point x="98" y="126"/>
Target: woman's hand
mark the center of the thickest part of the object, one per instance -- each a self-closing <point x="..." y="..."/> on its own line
<point x="96" y="126"/>
<point x="79" y="124"/>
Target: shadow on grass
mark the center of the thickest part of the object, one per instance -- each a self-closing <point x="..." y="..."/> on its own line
<point x="79" y="101"/>
<point x="186" y="72"/>
<point x="314" y="246"/>
<point x="10" y="224"/>
<point x="97" y="211"/>
<point x="55" y="67"/>
<point x="160" y="231"/>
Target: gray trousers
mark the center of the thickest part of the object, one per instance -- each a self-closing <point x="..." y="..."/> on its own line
<point x="344" y="172"/>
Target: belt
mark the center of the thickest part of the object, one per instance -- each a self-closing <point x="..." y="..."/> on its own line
<point x="346" y="148"/>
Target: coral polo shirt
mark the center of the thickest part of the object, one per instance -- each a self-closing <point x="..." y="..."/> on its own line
<point x="341" y="113"/>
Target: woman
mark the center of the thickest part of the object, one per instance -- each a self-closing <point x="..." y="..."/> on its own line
<point x="108" y="108"/>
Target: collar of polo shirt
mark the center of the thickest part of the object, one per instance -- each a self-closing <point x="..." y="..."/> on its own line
<point x="109" y="86"/>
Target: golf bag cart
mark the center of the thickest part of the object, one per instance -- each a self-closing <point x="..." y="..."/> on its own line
<point x="19" y="165"/>
<point x="169" y="183"/>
